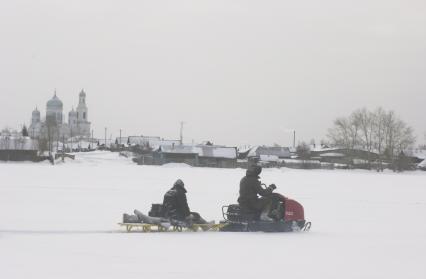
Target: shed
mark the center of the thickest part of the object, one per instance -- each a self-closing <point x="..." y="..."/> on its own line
<point x="18" y="148"/>
<point x="217" y="156"/>
<point x="176" y="154"/>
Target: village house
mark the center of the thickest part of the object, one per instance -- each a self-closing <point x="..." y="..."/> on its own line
<point x="197" y="155"/>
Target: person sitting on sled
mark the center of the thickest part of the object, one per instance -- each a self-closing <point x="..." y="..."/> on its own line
<point x="176" y="211"/>
<point x="176" y="207"/>
<point x="251" y="188"/>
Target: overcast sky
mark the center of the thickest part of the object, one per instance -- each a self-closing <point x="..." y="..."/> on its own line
<point x="237" y="72"/>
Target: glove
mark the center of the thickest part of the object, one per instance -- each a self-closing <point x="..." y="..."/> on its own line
<point x="272" y="187"/>
<point x="189" y="220"/>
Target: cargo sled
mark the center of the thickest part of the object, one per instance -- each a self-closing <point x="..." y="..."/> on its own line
<point x="155" y="221"/>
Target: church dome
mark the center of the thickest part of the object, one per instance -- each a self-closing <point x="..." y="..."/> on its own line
<point x="54" y="103"/>
<point x="36" y="112"/>
<point x="72" y="113"/>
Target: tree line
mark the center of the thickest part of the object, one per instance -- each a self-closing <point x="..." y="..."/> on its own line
<point x="378" y="131"/>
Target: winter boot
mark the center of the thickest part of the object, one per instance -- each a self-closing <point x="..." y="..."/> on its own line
<point x="277" y="213"/>
<point x="264" y="216"/>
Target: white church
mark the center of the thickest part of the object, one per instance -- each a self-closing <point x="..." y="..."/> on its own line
<point x="78" y="122"/>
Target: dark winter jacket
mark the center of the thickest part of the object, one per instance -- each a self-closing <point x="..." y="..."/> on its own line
<point x="250" y="187"/>
<point x="175" y="203"/>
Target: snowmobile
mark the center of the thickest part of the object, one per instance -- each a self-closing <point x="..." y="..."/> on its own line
<point x="235" y="220"/>
<point x="238" y="220"/>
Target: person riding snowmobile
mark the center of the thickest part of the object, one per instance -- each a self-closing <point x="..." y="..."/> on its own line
<point x="176" y="207"/>
<point x="251" y="188"/>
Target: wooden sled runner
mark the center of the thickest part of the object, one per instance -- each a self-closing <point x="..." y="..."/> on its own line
<point x="143" y="227"/>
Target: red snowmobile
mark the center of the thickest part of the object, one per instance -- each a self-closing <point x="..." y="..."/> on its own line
<point x="293" y="219"/>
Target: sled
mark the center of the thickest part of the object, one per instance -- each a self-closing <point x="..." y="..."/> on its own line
<point x="143" y="227"/>
<point x="206" y="227"/>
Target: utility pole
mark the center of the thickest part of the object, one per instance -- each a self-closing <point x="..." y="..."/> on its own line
<point x="120" y="138"/>
<point x="63" y="148"/>
<point x="71" y="141"/>
<point x="181" y="132"/>
<point x="92" y="143"/>
<point x="105" y="137"/>
<point x="294" y="138"/>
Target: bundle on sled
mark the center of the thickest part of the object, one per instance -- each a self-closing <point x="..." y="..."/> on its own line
<point x="289" y="218"/>
<point x="156" y="221"/>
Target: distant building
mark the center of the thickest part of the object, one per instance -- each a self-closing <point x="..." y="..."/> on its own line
<point x="198" y="155"/>
<point x="272" y="152"/>
<point x="18" y="148"/>
<point x="343" y="155"/>
<point x="78" y="120"/>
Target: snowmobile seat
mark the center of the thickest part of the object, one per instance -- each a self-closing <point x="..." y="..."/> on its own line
<point x="234" y="213"/>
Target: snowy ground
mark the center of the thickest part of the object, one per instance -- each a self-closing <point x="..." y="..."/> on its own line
<point x="60" y="222"/>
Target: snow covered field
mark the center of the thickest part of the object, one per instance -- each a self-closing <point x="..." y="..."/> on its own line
<point x="60" y="222"/>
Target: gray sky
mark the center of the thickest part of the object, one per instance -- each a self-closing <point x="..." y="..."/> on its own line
<point x="237" y="72"/>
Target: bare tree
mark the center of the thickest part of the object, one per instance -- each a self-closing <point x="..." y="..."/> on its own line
<point x="43" y="145"/>
<point x="366" y="121"/>
<point x="52" y="131"/>
<point x="303" y="151"/>
<point x="379" y="131"/>
<point x="345" y="132"/>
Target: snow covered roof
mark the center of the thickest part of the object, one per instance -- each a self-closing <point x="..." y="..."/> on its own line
<point x="18" y="143"/>
<point x="280" y="152"/>
<point x="418" y="153"/>
<point x="344" y="151"/>
<point x="243" y="149"/>
<point x="201" y="150"/>
<point x="217" y="152"/>
<point x="422" y="164"/>
<point x="178" y="149"/>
